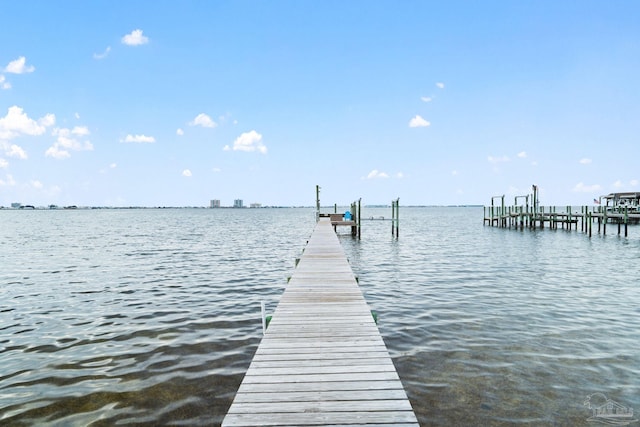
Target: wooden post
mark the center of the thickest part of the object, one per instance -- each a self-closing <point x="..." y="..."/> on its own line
<point x="397" y="217"/>
<point x="359" y="211"/>
<point x="317" y="203"/>
<point x="626" y="219"/>
<point x="395" y="213"/>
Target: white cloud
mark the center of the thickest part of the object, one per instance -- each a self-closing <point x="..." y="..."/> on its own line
<point x="57" y="153"/>
<point x="19" y="66"/>
<point x="103" y="54"/>
<point x="77" y="115"/>
<point x="585" y="161"/>
<point x="138" y="139"/>
<point x="248" y="141"/>
<point x="3" y="163"/>
<point x="17" y="122"/>
<point x="179" y="132"/>
<point x="135" y="38"/>
<point x="15" y="151"/>
<point x="496" y="160"/>
<point x="203" y="120"/>
<point x="618" y="184"/>
<point x="68" y="140"/>
<point x="399" y="175"/>
<point x="48" y="120"/>
<point x="186" y="173"/>
<point x="454" y="172"/>
<point x="375" y="173"/>
<point x="4" y="84"/>
<point x="217" y="170"/>
<point x="80" y="130"/>
<point x="582" y="188"/>
<point x="426" y="98"/>
<point x="113" y="166"/>
<point x="36" y="184"/>
<point x="440" y="85"/>
<point x="633" y="182"/>
<point x="522" y="154"/>
<point x="418" y="122"/>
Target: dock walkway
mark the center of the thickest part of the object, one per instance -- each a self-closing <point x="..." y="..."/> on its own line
<point x="322" y="360"/>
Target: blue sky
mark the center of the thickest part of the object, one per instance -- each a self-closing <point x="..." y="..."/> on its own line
<point x="157" y="103"/>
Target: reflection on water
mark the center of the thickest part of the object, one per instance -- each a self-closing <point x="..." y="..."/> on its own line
<point x="151" y="317"/>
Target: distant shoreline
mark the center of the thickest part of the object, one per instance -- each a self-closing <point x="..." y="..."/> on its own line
<point x="47" y="208"/>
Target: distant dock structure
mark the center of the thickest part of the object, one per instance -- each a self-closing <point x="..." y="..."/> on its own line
<point x="353" y="217"/>
<point x="621" y="209"/>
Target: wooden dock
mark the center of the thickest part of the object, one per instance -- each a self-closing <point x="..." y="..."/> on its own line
<point x="519" y="217"/>
<point x="322" y="360"/>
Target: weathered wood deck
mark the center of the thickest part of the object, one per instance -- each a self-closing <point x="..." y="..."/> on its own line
<point x="322" y="360"/>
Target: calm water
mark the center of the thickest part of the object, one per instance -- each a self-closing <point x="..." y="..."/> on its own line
<point x="151" y="317"/>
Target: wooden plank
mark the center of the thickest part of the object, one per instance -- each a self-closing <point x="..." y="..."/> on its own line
<point x="322" y="360"/>
<point x="394" y="418"/>
<point x="315" y="396"/>
<point x="282" y="388"/>
<point x="322" y="406"/>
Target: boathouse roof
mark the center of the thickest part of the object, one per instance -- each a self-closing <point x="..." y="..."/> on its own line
<point x="629" y="195"/>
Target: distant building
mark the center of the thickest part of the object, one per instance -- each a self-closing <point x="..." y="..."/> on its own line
<point x="16" y="205"/>
<point x="215" y="203"/>
<point x="255" y="205"/>
<point x="237" y="203"/>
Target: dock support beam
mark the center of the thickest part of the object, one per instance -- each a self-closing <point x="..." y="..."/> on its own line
<point x="317" y="203"/>
<point x="395" y="213"/>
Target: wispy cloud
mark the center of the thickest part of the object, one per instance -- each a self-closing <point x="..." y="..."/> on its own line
<point x="186" y="173"/>
<point x="69" y="140"/>
<point x="418" y="122"/>
<point x="4" y="84"/>
<point x="103" y="54"/>
<point x="375" y="174"/>
<point x="496" y="160"/>
<point x="135" y="38"/>
<point x="203" y="120"/>
<point x="585" y="161"/>
<point x="13" y="150"/>
<point x="583" y="188"/>
<point x="426" y="98"/>
<point x="522" y="154"/>
<point x="179" y="132"/>
<point x="248" y="141"/>
<point x="8" y="181"/>
<point x="19" y="66"/>
<point x="440" y="85"/>
<point x="138" y="139"/>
